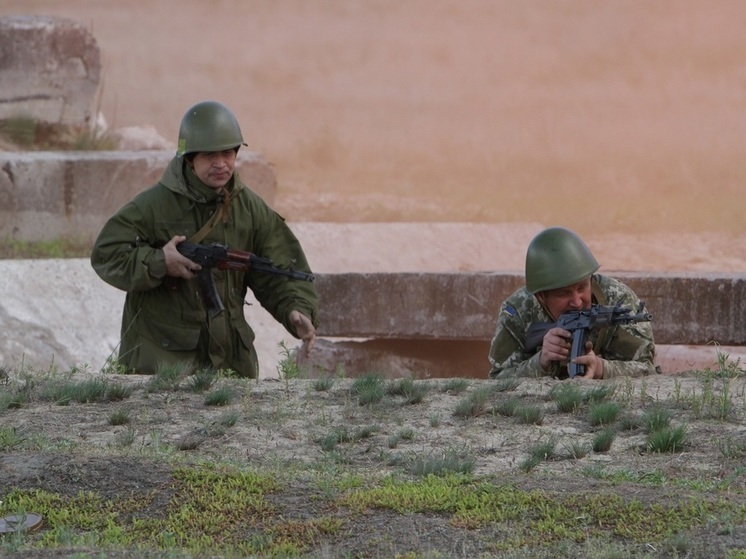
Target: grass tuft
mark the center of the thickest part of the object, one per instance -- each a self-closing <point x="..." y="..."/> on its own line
<point x="202" y="380"/>
<point x="441" y="464"/>
<point x="567" y="396"/>
<point x="455" y="385"/>
<point x="603" y="440"/>
<point x="169" y="377"/>
<point x="656" y="418"/>
<point x="323" y="384"/>
<point x="473" y="405"/>
<point x="538" y="454"/>
<point x="603" y="413"/>
<point x="412" y="391"/>
<point x="667" y="439"/>
<point x="529" y="414"/>
<point x="369" y="389"/>
<point x="120" y="417"/>
<point x="219" y="397"/>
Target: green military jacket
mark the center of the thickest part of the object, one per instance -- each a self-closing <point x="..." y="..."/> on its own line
<point x="627" y="349"/>
<point x="165" y="320"/>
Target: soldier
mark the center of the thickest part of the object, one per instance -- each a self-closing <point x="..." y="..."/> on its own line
<point x="200" y="197"/>
<point x="560" y="277"/>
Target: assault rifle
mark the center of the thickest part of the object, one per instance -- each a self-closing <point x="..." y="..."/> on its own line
<point x="219" y="256"/>
<point x="580" y="323"/>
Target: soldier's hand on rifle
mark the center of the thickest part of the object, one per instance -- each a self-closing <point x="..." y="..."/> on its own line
<point x="304" y="329"/>
<point x="594" y="364"/>
<point x="555" y="347"/>
<point x="178" y="265"/>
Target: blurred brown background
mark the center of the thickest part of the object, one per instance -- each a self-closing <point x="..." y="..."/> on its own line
<point x="614" y="117"/>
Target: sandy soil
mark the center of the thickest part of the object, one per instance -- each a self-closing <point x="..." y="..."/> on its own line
<point x="323" y="445"/>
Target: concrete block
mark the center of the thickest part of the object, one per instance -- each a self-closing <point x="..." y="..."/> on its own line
<point x="50" y="195"/>
<point x="688" y="309"/>
<point x="450" y="306"/>
<point x="49" y="69"/>
<point x="694" y="308"/>
<point x="59" y="313"/>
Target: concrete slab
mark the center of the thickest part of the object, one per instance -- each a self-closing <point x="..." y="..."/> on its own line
<point x="59" y="314"/>
<point x="73" y="193"/>
<point x="692" y="309"/>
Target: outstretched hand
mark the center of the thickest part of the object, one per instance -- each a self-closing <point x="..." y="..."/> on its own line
<point x="304" y="330"/>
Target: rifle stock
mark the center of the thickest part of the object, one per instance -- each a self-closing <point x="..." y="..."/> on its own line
<point x="535" y="335"/>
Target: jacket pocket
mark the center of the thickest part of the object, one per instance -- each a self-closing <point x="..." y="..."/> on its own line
<point x="245" y="333"/>
<point x="244" y="360"/>
<point x="171" y="337"/>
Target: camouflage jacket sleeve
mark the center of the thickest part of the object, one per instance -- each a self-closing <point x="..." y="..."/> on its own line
<point x="507" y="356"/>
<point x="627" y="350"/>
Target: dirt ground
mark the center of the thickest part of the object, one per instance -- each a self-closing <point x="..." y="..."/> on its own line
<point x="621" y="120"/>
<point x="284" y="428"/>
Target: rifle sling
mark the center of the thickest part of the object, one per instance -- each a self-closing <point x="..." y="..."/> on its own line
<point x="220" y="214"/>
<point x="209" y="294"/>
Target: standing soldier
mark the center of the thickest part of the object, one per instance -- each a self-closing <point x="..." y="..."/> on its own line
<point x="200" y="197"/>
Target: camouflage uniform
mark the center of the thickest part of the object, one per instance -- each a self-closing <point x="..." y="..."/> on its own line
<point x="627" y="349"/>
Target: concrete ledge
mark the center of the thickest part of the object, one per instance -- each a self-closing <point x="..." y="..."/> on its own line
<point x="58" y="312"/>
<point x="689" y="309"/>
<point x="74" y="193"/>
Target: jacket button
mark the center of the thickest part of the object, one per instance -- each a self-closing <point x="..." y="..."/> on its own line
<point x="165" y="343"/>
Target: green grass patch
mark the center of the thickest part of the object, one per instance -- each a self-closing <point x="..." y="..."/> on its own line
<point x="209" y="511"/>
<point x="603" y="413"/>
<point x="667" y="439"/>
<point x="538" y="518"/>
<point x="14" y="249"/>
<point x="412" y="391"/>
<point x="86" y="391"/>
<point x="31" y="134"/>
<point x="602" y="441"/>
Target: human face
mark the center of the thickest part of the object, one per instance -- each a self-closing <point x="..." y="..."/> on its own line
<point x="215" y="168"/>
<point x="573" y="297"/>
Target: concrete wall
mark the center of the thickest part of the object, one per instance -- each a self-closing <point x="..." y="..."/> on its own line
<point x="49" y="70"/>
<point x="440" y="324"/>
<point x="59" y="313"/>
<point x="691" y="309"/>
<point x="48" y="195"/>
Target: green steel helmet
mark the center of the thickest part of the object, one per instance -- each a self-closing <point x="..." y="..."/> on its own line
<point x="557" y="257"/>
<point x="208" y="126"/>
